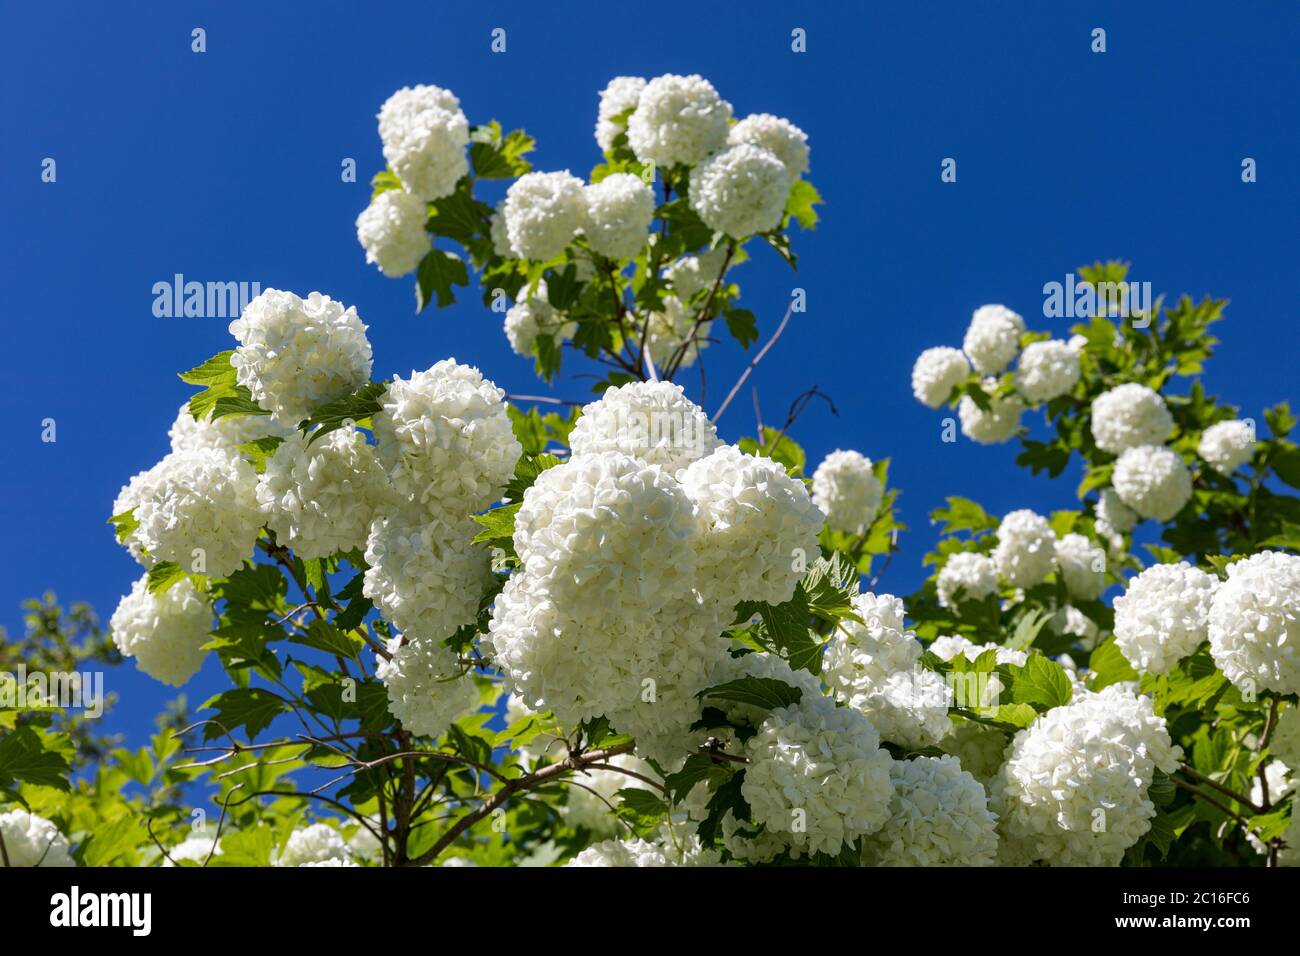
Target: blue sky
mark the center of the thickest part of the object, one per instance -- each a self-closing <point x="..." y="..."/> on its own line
<point x="225" y="166"/>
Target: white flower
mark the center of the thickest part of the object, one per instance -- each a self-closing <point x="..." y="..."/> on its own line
<point x="1285" y="743"/>
<point x="298" y="354"/>
<point x="164" y="632"/>
<point x="1129" y="415"/>
<point x="226" y="433"/>
<point x="197" y="508"/>
<point x="1083" y="566"/>
<point x="1255" y="623"/>
<point x="1113" y="516"/>
<point x="936" y="373"/>
<point x="741" y="191"/>
<point x="196" y="848"/>
<point x="424" y="575"/>
<point x="993" y="338"/>
<point x="652" y="421"/>
<point x="620" y="209"/>
<point x="320" y="499"/>
<point x="817" y="775"/>
<point x="678" y="120"/>
<point x="318" y="843"/>
<point x="758" y="528"/>
<point x="425" y="691"/>
<point x="981" y="750"/>
<point x="938" y="816"/>
<point x="948" y="646"/>
<point x="1279" y="785"/>
<point x="996" y="425"/>
<point x="668" y="329"/>
<point x="1163" y="616"/>
<point x="391" y="230"/>
<point x="544" y="211"/>
<point x="1026" y="551"/>
<point x="30" y="840"/>
<point x="446" y="439"/>
<point x="1047" y="370"/>
<point x="1070" y="620"/>
<point x="425" y="134"/>
<point x="847" y="491"/>
<point x="974" y="575"/>
<point x="691" y="275"/>
<point x="1226" y="446"/>
<point x="331" y="863"/>
<point x="667" y="849"/>
<point x="499" y="233"/>
<point x="533" y="315"/>
<point x="1153" y="481"/>
<point x="588" y="806"/>
<point x="781" y="137"/>
<point x="619" y="95"/>
<point x="1073" y="791"/>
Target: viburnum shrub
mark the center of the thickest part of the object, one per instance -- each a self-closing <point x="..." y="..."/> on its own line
<point x="461" y="631"/>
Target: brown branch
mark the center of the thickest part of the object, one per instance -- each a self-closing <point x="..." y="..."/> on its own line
<point x="749" y="369"/>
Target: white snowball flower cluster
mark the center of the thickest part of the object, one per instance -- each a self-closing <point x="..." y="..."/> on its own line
<point x="446" y="439"/>
<point x="544" y="211"/>
<point x="197" y="508"/>
<point x="226" y="433"/>
<point x="298" y="354"/>
<point x="973" y="575"/>
<point x="195" y="848"/>
<point x="1070" y="620"/>
<point x="980" y="750"/>
<point x="678" y="120"/>
<point x="1129" y="415"/>
<point x="670" y="327"/>
<point x="425" y="135"/>
<point x="391" y="230"/>
<point x="1153" y="481"/>
<point x="533" y="315"/>
<point x="741" y="191"/>
<point x="31" y="840"/>
<point x="691" y="275"/>
<point x="818" y="776"/>
<point x="1226" y="446"/>
<point x="620" y="209"/>
<point x="1255" y="623"/>
<point x="164" y="632"/>
<point x="993" y="338"/>
<point x="777" y="135"/>
<point x="1047" y="370"/>
<point x="874" y="667"/>
<point x="424" y="575"/>
<point x="667" y="849"/>
<point x="948" y="646"/>
<point x="318" y="843"/>
<point x="938" y="816"/>
<point x="1285" y="743"/>
<point x="992" y="426"/>
<point x="320" y="499"/>
<point x="1026" y="551"/>
<point x="758" y="527"/>
<point x="1163" y="616"/>
<point x="1074" y="787"/>
<point x="652" y="421"/>
<point x="619" y="95"/>
<point x="1112" y="515"/>
<point x="847" y="491"/>
<point x="588" y="806"/>
<point x="1083" y="566"/>
<point x="425" y="692"/>
<point x="499" y="233"/>
<point x="936" y="373"/>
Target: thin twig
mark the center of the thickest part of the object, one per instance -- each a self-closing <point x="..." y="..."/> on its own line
<point x="749" y="369"/>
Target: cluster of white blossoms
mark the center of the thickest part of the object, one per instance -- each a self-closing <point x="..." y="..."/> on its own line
<point x="1163" y="616"/>
<point x="31" y="840"/>
<point x="1047" y="370"/>
<point x="164" y="631"/>
<point x="968" y="576"/>
<point x="227" y="433"/>
<point x="1082" y="565"/>
<point x="948" y="646"/>
<point x="779" y="136"/>
<point x="673" y="331"/>
<point x="1026" y="551"/>
<point x="993" y="338"/>
<point x="1113" y="517"/>
<point x="817" y="776"/>
<point x="741" y="191"/>
<point x="533" y="315"/>
<point x="424" y="690"/>
<point x="320" y="498"/>
<point x="544" y="212"/>
<point x="936" y="373"/>
<point x="425" y="135"/>
<point x="1255" y="623"/>
<point x="1226" y="446"/>
<point x="847" y="491"/>
<point x="938" y="816"/>
<point x="652" y="421"/>
<point x="1152" y="481"/>
<point x="620" y="209"/>
<point x="195" y="848"/>
<point x="691" y="275"/>
<point x="678" y="120"/>
<point x="619" y="96"/>
<point x="1129" y="415"/>
<point x="671" y="846"/>
<point x="391" y="230"/>
<point x="1073" y="791"/>
<point x="993" y="425"/>
<point x="318" y="844"/>
<point x="874" y="667"/>
<point x="981" y="750"/>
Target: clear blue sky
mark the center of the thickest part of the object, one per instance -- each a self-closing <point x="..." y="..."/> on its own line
<point x="225" y="166"/>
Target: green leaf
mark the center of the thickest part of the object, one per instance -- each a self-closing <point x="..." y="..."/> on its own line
<point x="221" y="394"/>
<point x="698" y="767"/>
<point x="498" y="524"/>
<point x="249" y="707"/>
<point x="259" y="451"/>
<point x="1107" y="665"/>
<point x="112" y="841"/>
<point x="495" y="157"/>
<point x="215" y="371"/>
<point x="24" y="756"/>
<point x="1042" y="683"/>
<point x="785" y="626"/>
<point x="352" y="409"/>
<point x="439" y="271"/>
<point x="962" y="514"/>
<point x="163" y="575"/>
<point x="765" y="692"/>
<point x="124" y="524"/>
<point x="743" y="326"/>
<point x="799" y="204"/>
<point x="641" y="809"/>
<point x="382" y="182"/>
<point x="324" y="636"/>
<point x="1286" y="463"/>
